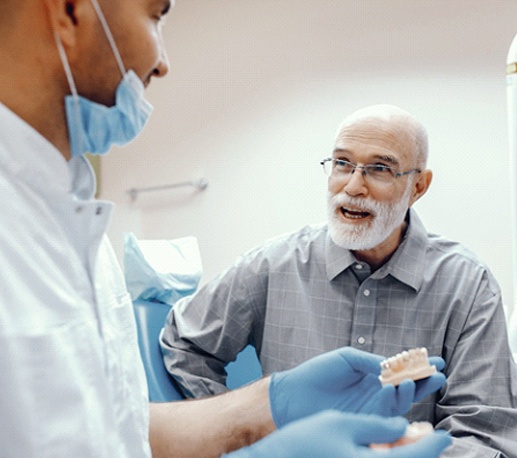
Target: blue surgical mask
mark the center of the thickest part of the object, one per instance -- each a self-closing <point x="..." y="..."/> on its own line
<point x="93" y="127"/>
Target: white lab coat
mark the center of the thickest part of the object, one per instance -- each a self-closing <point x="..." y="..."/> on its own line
<point x="71" y="380"/>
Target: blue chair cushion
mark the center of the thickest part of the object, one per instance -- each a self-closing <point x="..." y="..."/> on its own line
<point x="150" y="317"/>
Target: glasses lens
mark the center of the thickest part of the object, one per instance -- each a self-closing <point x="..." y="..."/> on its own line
<point x="374" y="173"/>
<point x="380" y="173"/>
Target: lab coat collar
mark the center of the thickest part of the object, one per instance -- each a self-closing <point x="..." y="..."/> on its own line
<point x="48" y="172"/>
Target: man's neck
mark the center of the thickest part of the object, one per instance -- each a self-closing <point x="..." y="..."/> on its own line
<point x="32" y="88"/>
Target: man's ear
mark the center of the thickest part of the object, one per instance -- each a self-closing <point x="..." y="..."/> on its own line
<point x="421" y="185"/>
<point x="64" y="16"/>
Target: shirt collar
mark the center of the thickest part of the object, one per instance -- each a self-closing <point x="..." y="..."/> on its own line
<point x="337" y="258"/>
<point x="31" y="158"/>
<point x="408" y="262"/>
<point x="406" y="265"/>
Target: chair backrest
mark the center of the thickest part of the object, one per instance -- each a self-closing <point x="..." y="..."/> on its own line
<point x="150" y="318"/>
<point x="245" y="369"/>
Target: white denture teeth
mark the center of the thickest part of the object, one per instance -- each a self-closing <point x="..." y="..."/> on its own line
<point x="414" y="432"/>
<point x="412" y="364"/>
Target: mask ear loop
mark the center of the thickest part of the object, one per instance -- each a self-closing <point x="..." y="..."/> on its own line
<point x="109" y="36"/>
<point x="73" y="89"/>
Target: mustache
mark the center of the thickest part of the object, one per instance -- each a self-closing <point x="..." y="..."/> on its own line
<point x="357" y="203"/>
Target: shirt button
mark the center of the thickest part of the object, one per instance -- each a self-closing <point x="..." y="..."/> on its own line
<point x="366" y="292"/>
<point x="358" y="266"/>
<point x="78" y="209"/>
<point x="361" y="340"/>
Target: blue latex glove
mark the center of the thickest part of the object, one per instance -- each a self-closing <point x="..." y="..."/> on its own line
<point x="337" y="434"/>
<point x="345" y="379"/>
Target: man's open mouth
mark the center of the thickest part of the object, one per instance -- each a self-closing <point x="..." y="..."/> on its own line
<point x="354" y="214"/>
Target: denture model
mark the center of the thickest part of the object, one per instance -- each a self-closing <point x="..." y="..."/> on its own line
<point x="412" y="364"/>
<point x="414" y="432"/>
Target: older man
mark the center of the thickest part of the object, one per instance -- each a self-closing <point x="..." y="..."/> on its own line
<point x="71" y="81"/>
<point x="372" y="278"/>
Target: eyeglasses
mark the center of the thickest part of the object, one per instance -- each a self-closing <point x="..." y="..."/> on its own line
<point x="377" y="173"/>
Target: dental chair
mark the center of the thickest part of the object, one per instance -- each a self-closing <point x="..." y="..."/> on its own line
<point x="150" y="318"/>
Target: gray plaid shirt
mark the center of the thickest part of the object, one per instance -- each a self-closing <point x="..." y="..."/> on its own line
<point x="299" y="295"/>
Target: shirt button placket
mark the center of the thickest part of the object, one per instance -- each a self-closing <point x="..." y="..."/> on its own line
<point x="364" y="318"/>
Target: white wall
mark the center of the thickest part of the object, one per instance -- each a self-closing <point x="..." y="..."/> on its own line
<point x="258" y="87"/>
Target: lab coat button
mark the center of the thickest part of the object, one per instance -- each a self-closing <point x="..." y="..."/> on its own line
<point x="98" y="211"/>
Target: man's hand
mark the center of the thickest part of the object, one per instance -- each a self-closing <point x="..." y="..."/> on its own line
<point x="345" y="379"/>
<point x="337" y="434"/>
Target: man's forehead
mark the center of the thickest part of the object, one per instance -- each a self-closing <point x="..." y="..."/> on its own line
<point x="370" y="129"/>
<point x="378" y="137"/>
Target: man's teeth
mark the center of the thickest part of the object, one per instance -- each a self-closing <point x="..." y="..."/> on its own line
<point x="354" y="214"/>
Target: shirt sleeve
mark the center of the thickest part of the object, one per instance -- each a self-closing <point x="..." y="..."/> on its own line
<point x="478" y="403"/>
<point x="206" y="331"/>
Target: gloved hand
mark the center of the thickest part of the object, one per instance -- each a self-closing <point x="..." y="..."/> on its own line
<point x="337" y="434"/>
<point x="345" y="379"/>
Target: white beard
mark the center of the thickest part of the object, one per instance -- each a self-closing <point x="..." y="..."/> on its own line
<point x="386" y="218"/>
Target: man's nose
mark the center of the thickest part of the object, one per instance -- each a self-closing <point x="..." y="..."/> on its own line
<point x="163" y="66"/>
<point x="356" y="185"/>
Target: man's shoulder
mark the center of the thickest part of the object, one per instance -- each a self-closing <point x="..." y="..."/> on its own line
<point x="453" y="257"/>
<point x="309" y="234"/>
<point x="439" y="246"/>
<point x="443" y="246"/>
<point x="448" y="266"/>
<point x="288" y="246"/>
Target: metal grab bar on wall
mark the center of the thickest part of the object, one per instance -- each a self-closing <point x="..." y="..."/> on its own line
<point x="200" y="184"/>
